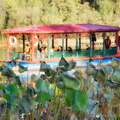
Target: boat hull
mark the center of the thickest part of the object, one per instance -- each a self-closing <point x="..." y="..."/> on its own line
<point x="81" y="61"/>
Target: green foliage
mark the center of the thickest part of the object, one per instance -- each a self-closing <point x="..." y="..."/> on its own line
<point x="76" y="99"/>
<point x="17" y="13"/>
<point x="80" y="91"/>
<point x="22" y="69"/>
<point x="116" y="76"/>
<point x="45" y="93"/>
<point x="70" y="82"/>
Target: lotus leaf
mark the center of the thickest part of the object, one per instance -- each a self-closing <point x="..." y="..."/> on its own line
<point x="116" y="77"/>
<point x="69" y="96"/>
<point x="34" y="78"/>
<point x="70" y="81"/>
<point x="45" y="93"/>
<point x="110" y="83"/>
<point x="11" y="89"/>
<point x="100" y="64"/>
<point x="11" y="92"/>
<point x="63" y="62"/>
<point x="44" y="66"/>
<point x="115" y="63"/>
<point x="61" y="69"/>
<point x="91" y="104"/>
<point x="91" y="70"/>
<point x="50" y="72"/>
<point x="25" y="105"/>
<point x="31" y="90"/>
<point x="22" y="69"/>
<point x="17" y="81"/>
<point x="76" y="99"/>
<point x="6" y="71"/>
<point x="52" y="79"/>
<point x="72" y="65"/>
<point x="80" y="100"/>
<point x="11" y="100"/>
<point x="100" y="76"/>
<point x="60" y="85"/>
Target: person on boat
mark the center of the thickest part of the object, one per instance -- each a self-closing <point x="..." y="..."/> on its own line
<point x="87" y="47"/>
<point x="107" y="42"/>
<point x="52" y="49"/>
<point x="118" y="42"/>
<point x="27" y="49"/>
<point x="59" y="48"/>
<point x="69" y="49"/>
<point x="45" y="51"/>
<point x="93" y="40"/>
<point x="26" y="52"/>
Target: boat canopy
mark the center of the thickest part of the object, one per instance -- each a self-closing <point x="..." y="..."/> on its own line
<point x="61" y="28"/>
<point x="66" y="34"/>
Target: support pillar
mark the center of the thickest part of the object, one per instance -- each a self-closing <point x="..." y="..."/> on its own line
<point x="48" y="45"/>
<point x="63" y="45"/>
<point x="32" y="47"/>
<point x="66" y="42"/>
<point x="23" y="38"/>
<point x="53" y="41"/>
<point x="80" y="41"/>
<point x="104" y="36"/>
<point x="90" y="47"/>
<point x="117" y="46"/>
<point x="77" y="37"/>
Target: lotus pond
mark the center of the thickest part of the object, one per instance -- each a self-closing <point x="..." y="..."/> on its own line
<point x="86" y="94"/>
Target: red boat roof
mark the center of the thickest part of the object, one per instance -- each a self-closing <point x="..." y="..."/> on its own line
<point x="61" y="28"/>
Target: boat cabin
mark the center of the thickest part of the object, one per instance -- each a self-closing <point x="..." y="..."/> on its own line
<point x="71" y="41"/>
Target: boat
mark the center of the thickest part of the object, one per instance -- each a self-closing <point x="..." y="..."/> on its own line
<point x="76" y="36"/>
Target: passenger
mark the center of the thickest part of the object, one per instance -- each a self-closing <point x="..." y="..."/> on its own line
<point x="52" y="49"/>
<point x="93" y="40"/>
<point x="25" y="52"/>
<point x="42" y="52"/>
<point x="59" y="48"/>
<point x="69" y="49"/>
<point x="107" y="42"/>
<point x="45" y="52"/>
<point x="87" y="47"/>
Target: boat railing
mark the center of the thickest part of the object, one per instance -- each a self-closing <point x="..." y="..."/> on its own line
<point x="59" y="54"/>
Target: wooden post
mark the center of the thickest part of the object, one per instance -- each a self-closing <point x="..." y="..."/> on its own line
<point x="117" y="47"/>
<point x="8" y="46"/>
<point x="23" y="38"/>
<point x="63" y="45"/>
<point x="77" y="36"/>
<point x="77" y="41"/>
<point x="53" y="41"/>
<point x="80" y="41"/>
<point x="48" y="46"/>
<point x="66" y="42"/>
<point x="104" y="36"/>
<point x="90" y="46"/>
<point x="32" y="47"/>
